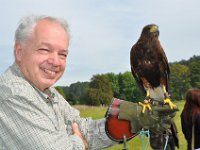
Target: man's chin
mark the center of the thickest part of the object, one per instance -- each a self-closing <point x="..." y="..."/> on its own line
<point x="48" y="83"/>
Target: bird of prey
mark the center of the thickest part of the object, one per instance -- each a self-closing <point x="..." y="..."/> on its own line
<point x="149" y="66"/>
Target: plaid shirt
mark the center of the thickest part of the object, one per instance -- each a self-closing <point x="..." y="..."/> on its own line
<point x="30" y="119"/>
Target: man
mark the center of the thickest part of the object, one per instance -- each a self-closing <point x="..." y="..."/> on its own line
<point x="33" y="115"/>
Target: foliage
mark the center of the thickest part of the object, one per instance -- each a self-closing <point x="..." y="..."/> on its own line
<point x="100" y="91"/>
<point x="125" y="87"/>
<point x="113" y="78"/>
<point x="78" y="90"/>
<point x="190" y="60"/>
<point x="128" y="88"/>
<point x="75" y="93"/>
<point x="179" y="80"/>
<point x="195" y="74"/>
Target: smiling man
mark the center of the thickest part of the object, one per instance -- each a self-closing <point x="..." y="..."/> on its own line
<point x="32" y="112"/>
<point x="42" y="57"/>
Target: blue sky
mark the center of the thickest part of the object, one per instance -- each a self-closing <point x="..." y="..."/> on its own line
<point x="103" y="31"/>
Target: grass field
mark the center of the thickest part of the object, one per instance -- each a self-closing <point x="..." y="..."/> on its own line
<point x="135" y="143"/>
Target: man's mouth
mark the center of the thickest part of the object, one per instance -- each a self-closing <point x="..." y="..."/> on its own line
<point x="50" y="72"/>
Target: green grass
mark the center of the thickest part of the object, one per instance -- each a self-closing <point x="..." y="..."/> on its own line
<point x="135" y="143"/>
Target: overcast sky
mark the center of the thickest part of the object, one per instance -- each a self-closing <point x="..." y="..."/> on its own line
<point x="103" y="31"/>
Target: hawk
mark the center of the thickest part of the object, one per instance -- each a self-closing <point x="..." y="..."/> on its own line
<point x="149" y="66"/>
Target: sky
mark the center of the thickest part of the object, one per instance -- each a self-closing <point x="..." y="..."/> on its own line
<point x="103" y="31"/>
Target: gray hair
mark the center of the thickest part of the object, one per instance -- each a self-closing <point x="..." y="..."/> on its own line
<point x="27" y="24"/>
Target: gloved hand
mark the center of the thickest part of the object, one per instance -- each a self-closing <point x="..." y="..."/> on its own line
<point x="157" y="120"/>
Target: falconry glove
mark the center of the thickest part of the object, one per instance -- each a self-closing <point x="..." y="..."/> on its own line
<point x="157" y="120"/>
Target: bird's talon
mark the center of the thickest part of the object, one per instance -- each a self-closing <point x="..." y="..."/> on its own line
<point x="169" y="102"/>
<point x="145" y="105"/>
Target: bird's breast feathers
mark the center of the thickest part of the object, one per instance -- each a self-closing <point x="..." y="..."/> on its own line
<point x="157" y="93"/>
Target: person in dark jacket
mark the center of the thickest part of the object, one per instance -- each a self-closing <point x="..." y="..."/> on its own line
<point x="191" y="116"/>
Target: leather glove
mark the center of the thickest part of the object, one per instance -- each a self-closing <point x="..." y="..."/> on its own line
<point x="157" y="120"/>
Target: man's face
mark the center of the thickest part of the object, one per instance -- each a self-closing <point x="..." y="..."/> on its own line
<point x="42" y="60"/>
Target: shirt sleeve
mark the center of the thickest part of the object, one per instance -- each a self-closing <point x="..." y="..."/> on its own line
<point x="25" y="126"/>
<point x="93" y="130"/>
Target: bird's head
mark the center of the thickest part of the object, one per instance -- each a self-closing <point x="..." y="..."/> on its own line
<point x="150" y="31"/>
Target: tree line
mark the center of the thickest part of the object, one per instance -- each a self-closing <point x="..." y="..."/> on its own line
<point x="184" y="74"/>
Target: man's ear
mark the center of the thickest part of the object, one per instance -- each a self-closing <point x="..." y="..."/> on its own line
<point x="18" y="51"/>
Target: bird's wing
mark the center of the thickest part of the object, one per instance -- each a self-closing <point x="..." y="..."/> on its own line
<point x="134" y="65"/>
<point x="165" y="68"/>
<point x="138" y="80"/>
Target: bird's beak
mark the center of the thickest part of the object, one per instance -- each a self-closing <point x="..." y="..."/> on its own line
<point x="154" y="28"/>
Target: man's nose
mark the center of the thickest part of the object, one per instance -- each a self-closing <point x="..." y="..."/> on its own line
<point x="54" y="59"/>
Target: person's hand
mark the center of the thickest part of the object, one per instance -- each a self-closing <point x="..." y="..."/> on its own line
<point x="77" y="132"/>
<point x="158" y="119"/>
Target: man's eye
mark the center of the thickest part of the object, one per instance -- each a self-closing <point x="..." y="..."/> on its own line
<point x="43" y="50"/>
<point x="63" y="56"/>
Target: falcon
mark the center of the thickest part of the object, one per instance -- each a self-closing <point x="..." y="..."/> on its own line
<point x="149" y="67"/>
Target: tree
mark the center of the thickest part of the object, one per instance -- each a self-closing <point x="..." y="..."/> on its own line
<point x="78" y="90"/>
<point x="194" y="68"/>
<point x="100" y="90"/>
<point x="113" y="78"/>
<point x="128" y="88"/>
<point x="179" y="81"/>
<point x="66" y="95"/>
